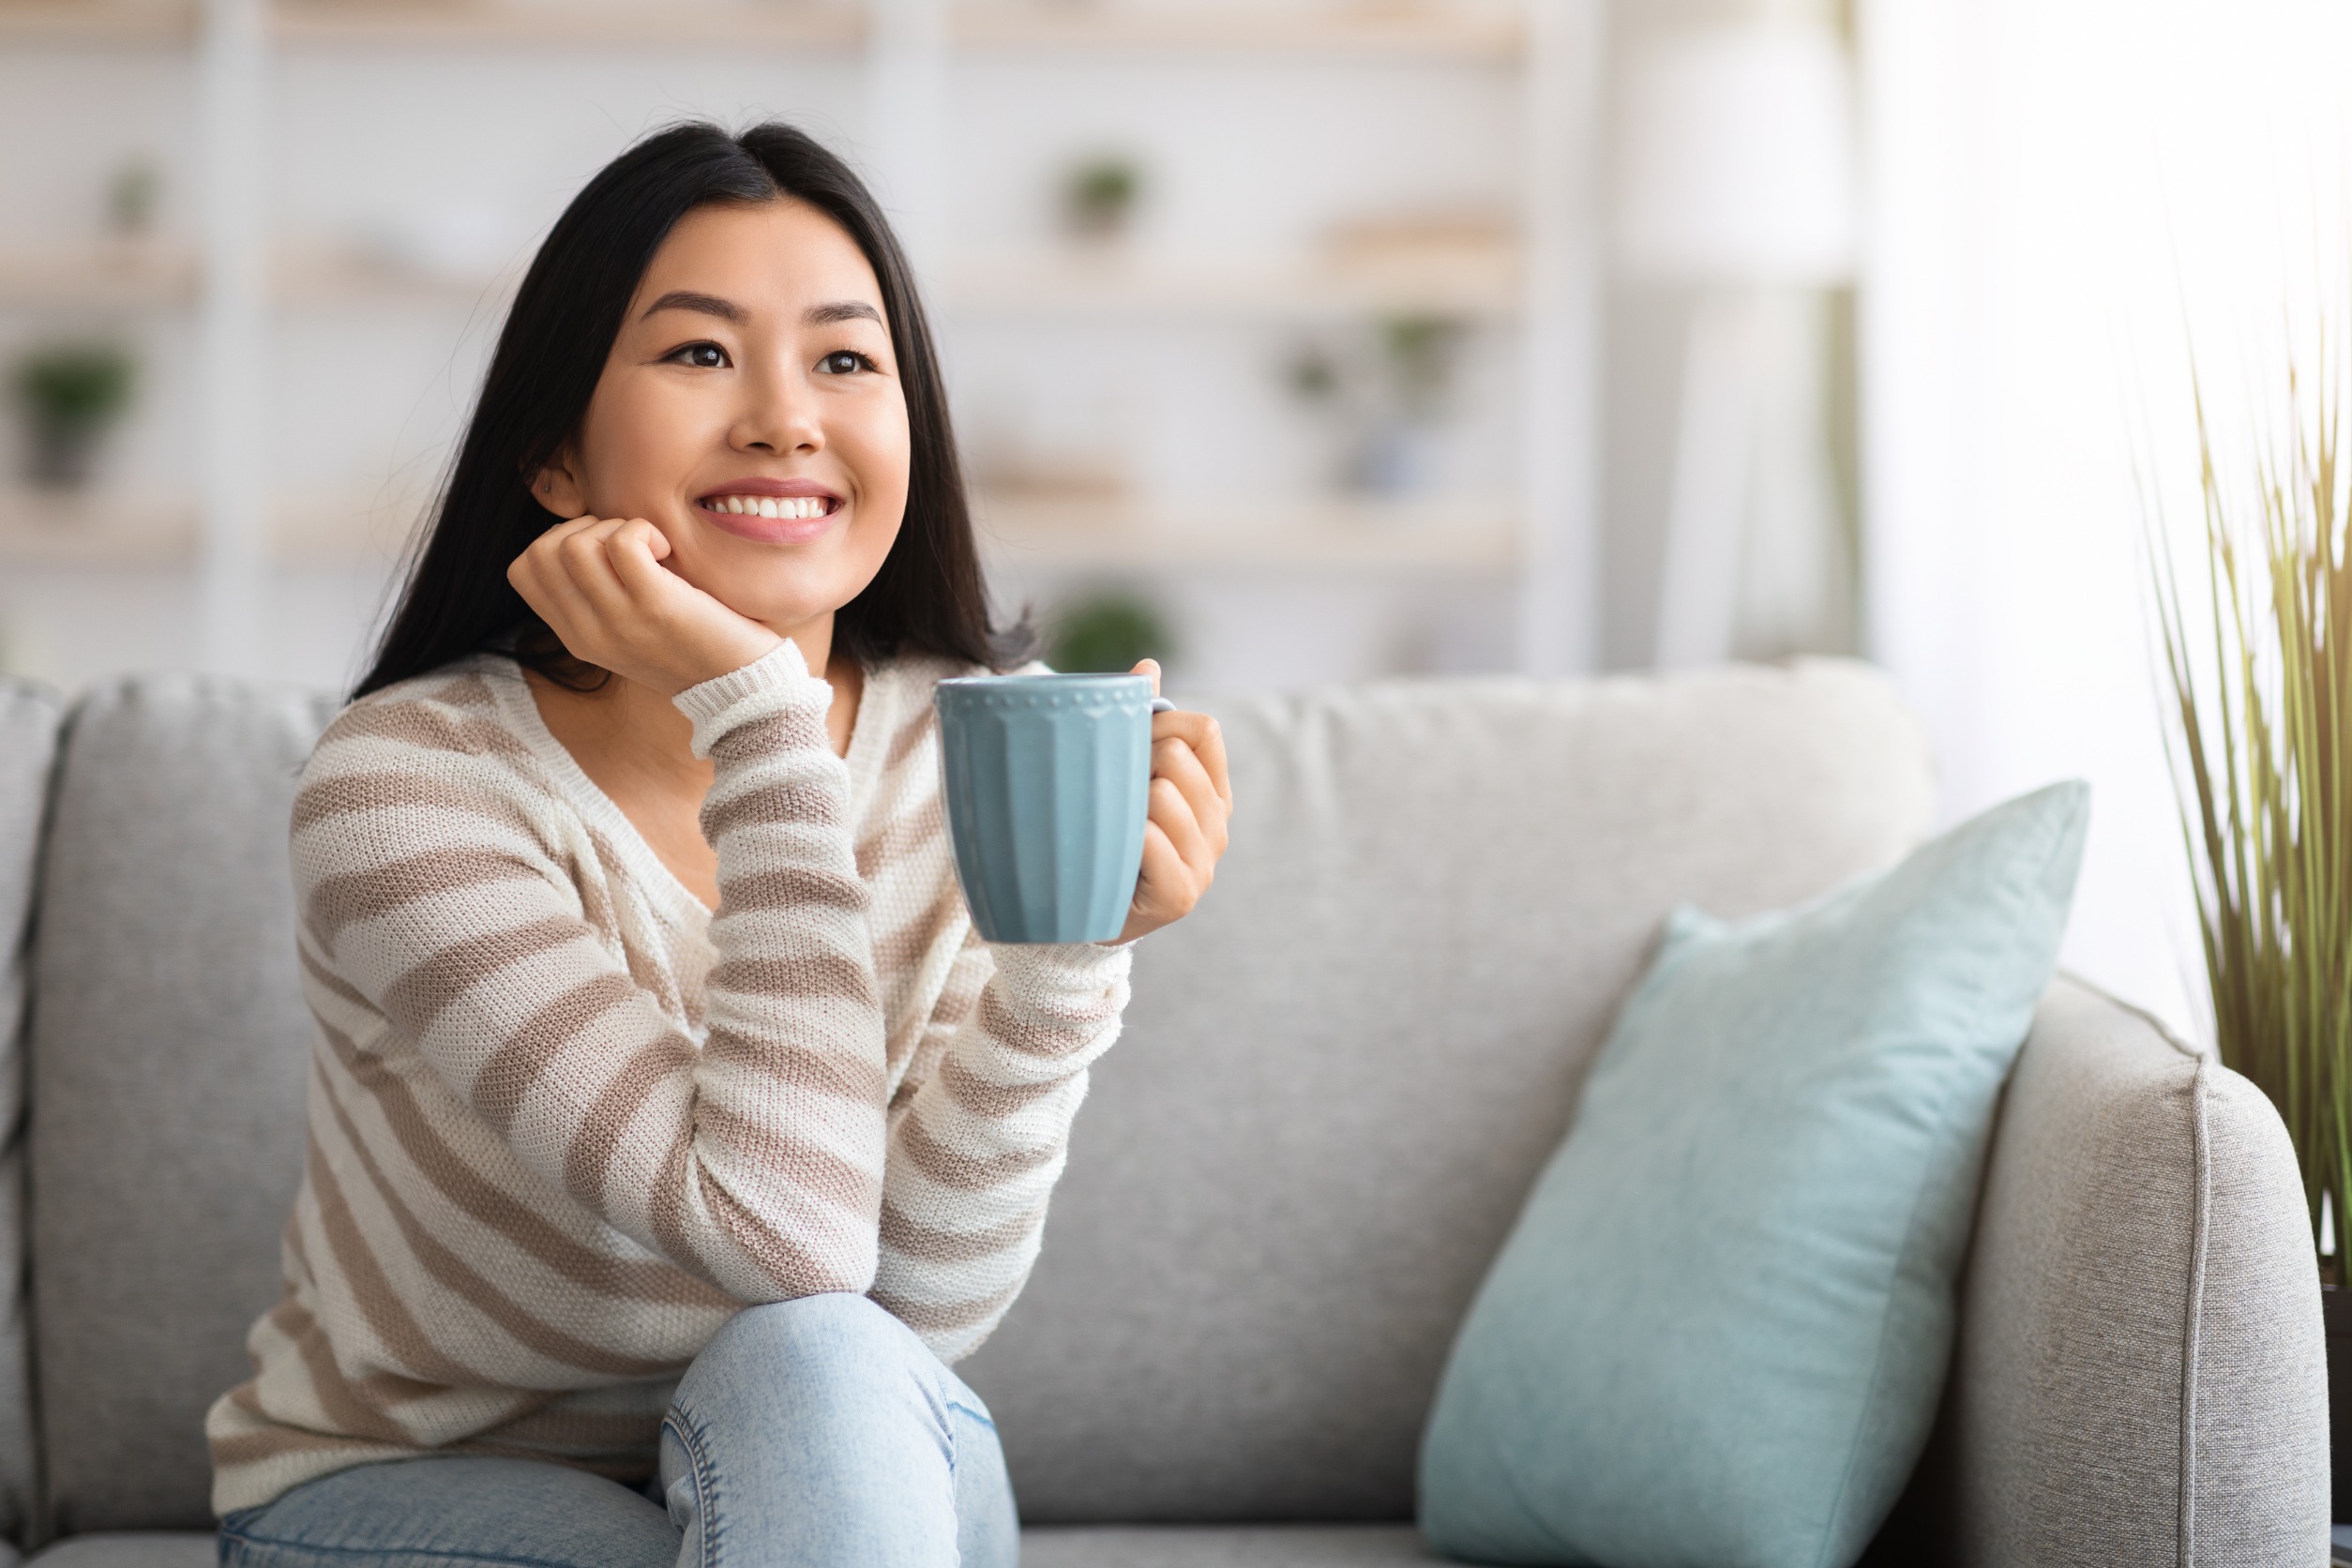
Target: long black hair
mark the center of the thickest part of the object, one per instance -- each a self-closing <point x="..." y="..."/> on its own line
<point x="928" y="595"/>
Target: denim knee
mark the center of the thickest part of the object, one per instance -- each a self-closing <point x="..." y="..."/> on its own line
<point x="810" y="1338"/>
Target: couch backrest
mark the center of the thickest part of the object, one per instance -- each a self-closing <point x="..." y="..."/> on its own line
<point x="29" y="721"/>
<point x="1337" y="1079"/>
<point x="166" y="1054"/>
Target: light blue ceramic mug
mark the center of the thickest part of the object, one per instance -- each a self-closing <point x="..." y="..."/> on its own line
<point x="1049" y="778"/>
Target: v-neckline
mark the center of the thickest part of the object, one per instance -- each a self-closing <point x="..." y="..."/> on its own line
<point x="511" y="688"/>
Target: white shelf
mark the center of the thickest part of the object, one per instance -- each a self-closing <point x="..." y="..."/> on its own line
<point x="77" y="24"/>
<point x="1080" y="534"/>
<point x="1368" y="29"/>
<point x="682" y="23"/>
<point x="107" y="527"/>
<point x="111" y="276"/>
<point x="1074" y="282"/>
<point x="1399" y="29"/>
<point x="95" y="529"/>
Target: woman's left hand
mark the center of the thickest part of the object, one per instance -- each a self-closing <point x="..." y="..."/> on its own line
<point x="1192" y="800"/>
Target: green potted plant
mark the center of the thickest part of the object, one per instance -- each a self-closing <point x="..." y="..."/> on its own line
<point x="69" y="395"/>
<point x="2258" y="659"/>
<point x="1106" y="633"/>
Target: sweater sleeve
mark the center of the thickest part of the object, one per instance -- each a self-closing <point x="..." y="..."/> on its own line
<point x="976" y="1150"/>
<point x="751" y="1158"/>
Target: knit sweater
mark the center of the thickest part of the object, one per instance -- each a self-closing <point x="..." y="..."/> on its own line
<point x="564" y="1121"/>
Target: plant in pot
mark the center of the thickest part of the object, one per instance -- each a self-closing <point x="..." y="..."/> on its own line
<point x="2258" y="660"/>
<point x="69" y="395"/>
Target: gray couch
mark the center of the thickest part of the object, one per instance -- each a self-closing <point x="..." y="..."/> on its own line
<point x="1337" y="1082"/>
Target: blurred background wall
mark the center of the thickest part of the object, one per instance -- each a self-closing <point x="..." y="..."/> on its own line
<point x="1290" y="339"/>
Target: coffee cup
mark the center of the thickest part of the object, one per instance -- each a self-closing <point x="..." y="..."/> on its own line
<point x="1047" y="780"/>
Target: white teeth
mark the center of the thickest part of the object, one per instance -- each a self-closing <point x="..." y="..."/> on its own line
<point x="770" y="505"/>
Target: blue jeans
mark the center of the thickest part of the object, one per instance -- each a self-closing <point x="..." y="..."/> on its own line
<point x="816" y="1433"/>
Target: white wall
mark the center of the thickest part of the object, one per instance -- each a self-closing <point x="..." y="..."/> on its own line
<point x="2067" y="195"/>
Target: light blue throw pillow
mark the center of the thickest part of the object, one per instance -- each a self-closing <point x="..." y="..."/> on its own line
<point x="1717" y="1336"/>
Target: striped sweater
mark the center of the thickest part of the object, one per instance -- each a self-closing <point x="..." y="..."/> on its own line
<point x="564" y="1121"/>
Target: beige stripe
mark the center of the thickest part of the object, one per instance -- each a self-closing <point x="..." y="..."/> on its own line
<point x="349" y="794"/>
<point x="588" y="1158"/>
<point x="952" y="1168"/>
<point x="336" y="902"/>
<point x="253" y="1448"/>
<point x="456" y="1276"/>
<point x="1063" y="1034"/>
<point x="417" y="722"/>
<point x="507" y="1077"/>
<point x="329" y="981"/>
<point x="794" y="1268"/>
<point x="788" y="1067"/>
<point x="590" y="1431"/>
<point x="808" y="977"/>
<point x="418" y="996"/>
<point x="946" y="1317"/>
<point x="621" y="1278"/>
<point x="804" y="805"/>
<point x="337" y="1398"/>
<point x="982" y="1097"/>
<point x="919" y="1242"/>
<point x="773" y="735"/>
<point x="796" y="888"/>
<point x="809" y="1166"/>
<point x="387" y="1315"/>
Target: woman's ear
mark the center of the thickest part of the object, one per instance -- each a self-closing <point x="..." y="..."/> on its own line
<point x="554" y="488"/>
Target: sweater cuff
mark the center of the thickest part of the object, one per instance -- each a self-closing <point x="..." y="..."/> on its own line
<point x="1044" y="971"/>
<point x="776" y="682"/>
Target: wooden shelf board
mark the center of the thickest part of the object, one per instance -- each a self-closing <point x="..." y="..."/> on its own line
<point x="1068" y="534"/>
<point x="78" y="23"/>
<point x="1075" y="284"/>
<point x="1403" y="31"/>
<point x="97" y="529"/>
<point x="111" y="276"/>
<point x="746" y="23"/>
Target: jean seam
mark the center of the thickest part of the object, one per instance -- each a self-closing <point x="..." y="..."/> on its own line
<point x="981" y="1416"/>
<point x="263" y="1541"/>
<point x="690" y="1436"/>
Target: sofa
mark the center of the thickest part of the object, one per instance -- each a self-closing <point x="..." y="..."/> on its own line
<point x="1336" y="1083"/>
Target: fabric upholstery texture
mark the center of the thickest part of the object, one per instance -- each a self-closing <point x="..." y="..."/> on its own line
<point x="2136" y="1376"/>
<point x="1341" y="1073"/>
<point x="29" y="721"/>
<point x="166" y="1056"/>
<point x="1280" y="1546"/>
<point x="1719" y="1329"/>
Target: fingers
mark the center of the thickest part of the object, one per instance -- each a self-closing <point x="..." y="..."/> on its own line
<point x="1174" y="816"/>
<point x="1148" y="667"/>
<point x="1207" y="741"/>
<point x="1176" y="762"/>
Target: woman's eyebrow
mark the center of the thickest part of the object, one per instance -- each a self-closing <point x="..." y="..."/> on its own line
<point x="709" y="304"/>
<point x="840" y="310"/>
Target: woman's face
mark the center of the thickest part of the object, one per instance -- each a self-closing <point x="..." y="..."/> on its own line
<point x="751" y="410"/>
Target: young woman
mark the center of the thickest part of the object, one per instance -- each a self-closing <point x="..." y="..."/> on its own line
<point x="669" y="1130"/>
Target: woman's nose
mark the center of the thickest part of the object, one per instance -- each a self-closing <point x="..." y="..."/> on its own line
<point x="779" y="414"/>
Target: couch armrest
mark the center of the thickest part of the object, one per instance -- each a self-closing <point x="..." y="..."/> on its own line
<point x="2141" y="1375"/>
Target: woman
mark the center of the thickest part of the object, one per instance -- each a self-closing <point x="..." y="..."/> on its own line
<point x="669" y="1130"/>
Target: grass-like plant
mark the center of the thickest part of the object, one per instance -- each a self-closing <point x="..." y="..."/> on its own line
<point x="2260" y="673"/>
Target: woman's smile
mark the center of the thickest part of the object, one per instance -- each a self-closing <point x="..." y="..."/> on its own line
<point x="773" y="511"/>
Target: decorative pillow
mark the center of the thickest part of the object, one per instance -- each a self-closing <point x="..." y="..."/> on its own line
<point x="1719" y="1331"/>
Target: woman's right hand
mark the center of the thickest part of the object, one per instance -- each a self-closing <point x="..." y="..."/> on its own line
<point x="600" y="586"/>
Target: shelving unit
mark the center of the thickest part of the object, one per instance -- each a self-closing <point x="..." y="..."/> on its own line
<point x="1539" y="283"/>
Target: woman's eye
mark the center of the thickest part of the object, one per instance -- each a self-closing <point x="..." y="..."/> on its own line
<point x="702" y="356"/>
<point x="842" y="362"/>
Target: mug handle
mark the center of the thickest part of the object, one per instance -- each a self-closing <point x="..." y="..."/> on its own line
<point x="1162" y="705"/>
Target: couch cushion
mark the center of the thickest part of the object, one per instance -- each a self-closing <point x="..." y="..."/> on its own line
<point x="1271" y="1546"/>
<point x="166" y="1054"/>
<point x="29" y="719"/>
<point x="1339" y="1077"/>
<point x="1283" y="1546"/>
<point x="2140" y="1376"/>
<point x="133" y="1549"/>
